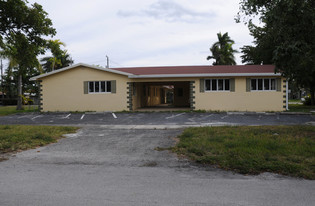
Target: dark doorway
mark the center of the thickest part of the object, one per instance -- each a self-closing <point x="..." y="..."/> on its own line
<point x="163" y="95"/>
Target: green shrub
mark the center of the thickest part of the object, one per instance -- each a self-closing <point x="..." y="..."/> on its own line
<point x="307" y="101"/>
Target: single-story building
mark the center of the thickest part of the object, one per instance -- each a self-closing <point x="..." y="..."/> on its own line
<point x="83" y="87"/>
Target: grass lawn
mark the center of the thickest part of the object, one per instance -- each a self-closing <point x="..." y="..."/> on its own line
<point x="7" y="110"/>
<point x="295" y="101"/>
<point x="287" y="150"/>
<point x="300" y="108"/>
<point x="14" y="138"/>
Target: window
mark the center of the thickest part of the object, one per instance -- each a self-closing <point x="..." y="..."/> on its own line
<point x="253" y="84"/>
<point x="103" y="87"/>
<point x="213" y="85"/>
<point x="217" y="85"/>
<point x="260" y="84"/>
<point x="97" y="87"/>
<point x="100" y="87"/>
<point x="272" y="84"/>
<point x="108" y="86"/>
<point x="207" y="84"/>
<point x="91" y="87"/>
<point x="264" y="84"/>
<point x="220" y="84"/>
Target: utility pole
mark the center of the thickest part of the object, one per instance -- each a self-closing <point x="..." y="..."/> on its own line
<point x="107" y="60"/>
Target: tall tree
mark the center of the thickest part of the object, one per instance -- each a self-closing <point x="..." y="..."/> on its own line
<point x="290" y="25"/>
<point x="22" y="32"/>
<point x="222" y="50"/>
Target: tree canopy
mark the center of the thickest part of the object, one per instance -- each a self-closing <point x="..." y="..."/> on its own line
<point x="22" y="32"/>
<point x="222" y="50"/>
<point x="262" y="52"/>
<point x="287" y="38"/>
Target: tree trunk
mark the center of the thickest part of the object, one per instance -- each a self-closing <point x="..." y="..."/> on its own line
<point x="19" y="101"/>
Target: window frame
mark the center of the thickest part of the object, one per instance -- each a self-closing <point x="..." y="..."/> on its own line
<point x="217" y="85"/>
<point x="99" y="87"/>
<point x="263" y="85"/>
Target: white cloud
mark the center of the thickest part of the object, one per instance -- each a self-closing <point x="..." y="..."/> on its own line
<point x="140" y="33"/>
<point x="168" y="11"/>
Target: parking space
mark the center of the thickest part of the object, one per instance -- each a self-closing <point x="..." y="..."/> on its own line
<point x="159" y="118"/>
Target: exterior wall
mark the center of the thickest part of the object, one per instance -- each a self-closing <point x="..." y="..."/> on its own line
<point x="64" y="91"/>
<point x="240" y="100"/>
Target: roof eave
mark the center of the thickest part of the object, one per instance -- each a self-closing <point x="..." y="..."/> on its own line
<point x="78" y="65"/>
<point x="204" y="75"/>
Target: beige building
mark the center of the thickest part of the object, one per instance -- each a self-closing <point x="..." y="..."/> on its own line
<point x="83" y="87"/>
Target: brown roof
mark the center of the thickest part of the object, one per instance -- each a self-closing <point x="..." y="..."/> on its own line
<point x="222" y="69"/>
<point x="179" y="71"/>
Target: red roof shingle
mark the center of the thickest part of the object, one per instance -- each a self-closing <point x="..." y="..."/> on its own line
<point x="222" y="69"/>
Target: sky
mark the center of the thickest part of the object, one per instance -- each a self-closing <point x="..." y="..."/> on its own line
<point x="144" y="33"/>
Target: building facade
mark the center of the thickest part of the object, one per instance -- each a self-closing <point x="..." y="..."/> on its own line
<point x="83" y="87"/>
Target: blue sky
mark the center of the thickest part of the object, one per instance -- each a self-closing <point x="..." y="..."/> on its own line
<point x="144" y="33"/>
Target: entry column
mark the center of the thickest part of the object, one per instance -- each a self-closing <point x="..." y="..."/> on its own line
<point x="129" y="95"/>
<point x="192" y="95"/>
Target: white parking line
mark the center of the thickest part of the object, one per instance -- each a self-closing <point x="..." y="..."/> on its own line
<point x="224" y="117"/>
<point x="25" y="116"/>
<point x="37" y="117"/>
<point x="114" y="115"/>
<point x="205" y="117"/>
<point x="82" y="116"/>
<point x="66" y="117"/>
<point x="173" y="116"/>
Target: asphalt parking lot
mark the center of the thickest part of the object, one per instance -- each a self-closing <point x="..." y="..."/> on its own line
<point x="100" y="166"/>
<point x="112" y="161"/>
<point x="158" y="118"/>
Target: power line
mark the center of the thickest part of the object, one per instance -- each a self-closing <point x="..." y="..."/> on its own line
<point x="116" y="63"/>
<point x="106" y="61"/>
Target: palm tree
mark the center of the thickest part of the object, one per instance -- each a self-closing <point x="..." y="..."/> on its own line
<point x="53" y="63"/>
<point x="60" y="58"/>
<point x="222" y="51"/>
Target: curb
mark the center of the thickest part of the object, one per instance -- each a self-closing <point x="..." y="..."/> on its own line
<point x="296" y="113"/>
<point x="163" y="127"/>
